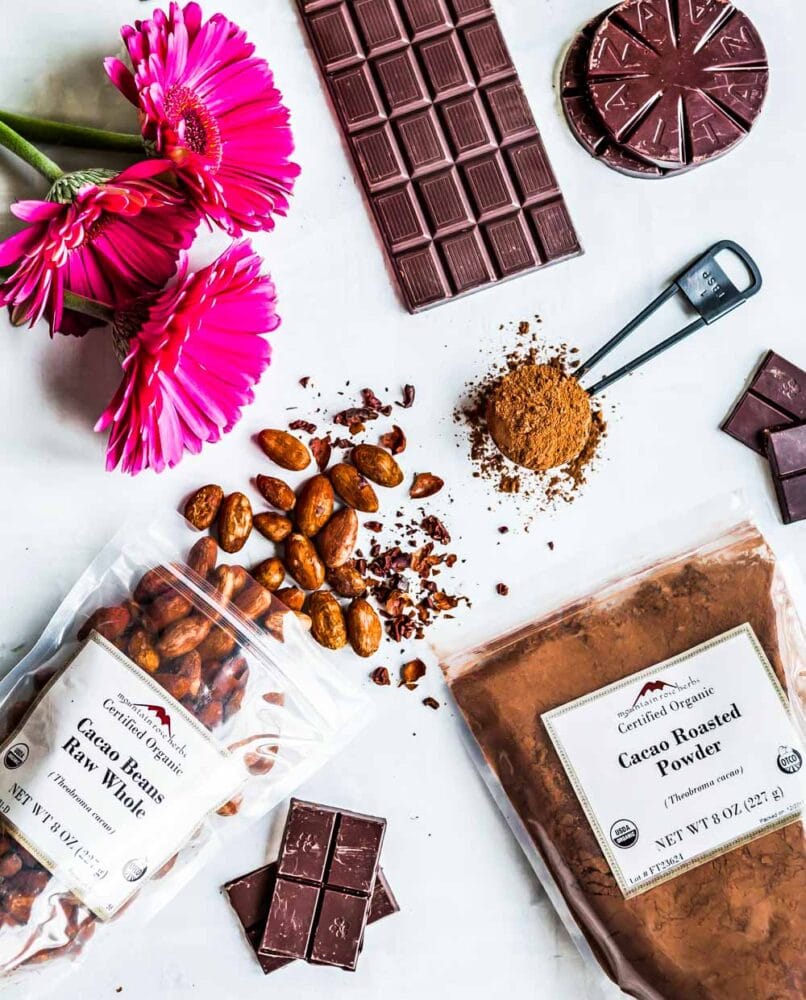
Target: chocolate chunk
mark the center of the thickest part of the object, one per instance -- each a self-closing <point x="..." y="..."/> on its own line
<point x="786" y="450"/>
<point x="325" y="853"/>
<point x="776" y="397"/>
<point x="306" y="841"/>
<point x="443" y="141"/>
<point x="250" y="896"/>
<point x="340" y="929"/>
<point x="291" y="919"/>
<point x="356" y="853"/>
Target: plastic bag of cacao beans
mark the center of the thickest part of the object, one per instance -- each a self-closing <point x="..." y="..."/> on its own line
<point x="644" y="740"/>
<point x="170" y="700"/>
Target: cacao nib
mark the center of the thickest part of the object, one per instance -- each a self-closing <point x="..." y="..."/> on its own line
<point x="371" y="401"/>
<point x="380" y="676"/>
<point x="302" y="425"/>
<point x="408" y="397"/>
<point x="435" y="529"/>
<point x="430" y="702"/>
<point x="355" y="415"/>
<point x="411" y="673"/>
<point x="321" y="449"/>
<point x="394" y="440"/>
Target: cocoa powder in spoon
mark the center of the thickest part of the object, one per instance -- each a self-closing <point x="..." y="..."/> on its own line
<point x="539" y="416"/>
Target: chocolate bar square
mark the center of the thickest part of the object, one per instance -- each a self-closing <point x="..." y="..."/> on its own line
<point x="775" y="397"/>
<point x="291" y="919"/>
<point x="786" y="451"/>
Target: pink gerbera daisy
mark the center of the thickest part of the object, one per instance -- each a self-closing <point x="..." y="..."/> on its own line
<point x="194" y="353"/>
<point x="108" y="238"/>
<point x="209" y="105"/>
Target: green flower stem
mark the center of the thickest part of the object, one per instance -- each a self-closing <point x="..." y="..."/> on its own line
<point x="22" y="148"/>
<point x="88" y="306"/>
<point x="82" y="136"/>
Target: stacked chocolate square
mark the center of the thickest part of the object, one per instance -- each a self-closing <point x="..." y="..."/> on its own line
<point x="316" y="900"/>
<point x="770" y="418"/>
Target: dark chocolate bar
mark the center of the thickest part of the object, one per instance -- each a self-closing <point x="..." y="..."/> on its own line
<point x="786" y="451"/>
<point x="326" y="876"/>
<point x="443" y="140"/>
<point x="250" y="895"/>
<point x="776" y="397"/>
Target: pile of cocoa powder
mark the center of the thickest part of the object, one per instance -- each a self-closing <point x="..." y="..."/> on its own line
<point x="537" y="491"/>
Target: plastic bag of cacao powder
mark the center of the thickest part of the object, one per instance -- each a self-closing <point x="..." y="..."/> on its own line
<point x="644" y="743"/>
<point x="170" y="700"/>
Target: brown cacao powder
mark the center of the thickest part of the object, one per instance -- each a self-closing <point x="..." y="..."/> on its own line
<point x="533" y="491"/>
<point x="539" y="416"/>
<point x="733" y="928"/>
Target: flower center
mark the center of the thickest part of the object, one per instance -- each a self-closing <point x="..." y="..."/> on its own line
<point x="197" y="128"/>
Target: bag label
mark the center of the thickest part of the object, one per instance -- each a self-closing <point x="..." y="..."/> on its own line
<point x="684" y="761"/>
<point x="108" y="776"/>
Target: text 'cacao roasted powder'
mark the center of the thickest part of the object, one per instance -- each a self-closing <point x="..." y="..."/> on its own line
<point x="733" y="928"/>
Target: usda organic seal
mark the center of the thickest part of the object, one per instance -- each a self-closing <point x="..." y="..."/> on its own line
<point x="16" y="755"/>
<point x="624" y="833"/>
<point x="134" y="870"/>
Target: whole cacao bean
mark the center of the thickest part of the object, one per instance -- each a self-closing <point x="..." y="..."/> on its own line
<point x="203" y="556"/>
<point x="270" y="573"/>
<point x="203" y="506"/>
<point x="336" y="541"/>
<point x="303" y="562"/>
<point x="276" y="492"/>
<point x="292" y="597"/>
<point x="353" y="489"/>
<point x="363" y="627"/>
<point x="377" y="465"/>
<point x="234" y="522"/>
<point x="347" y="581"/>
<point x="314" y="505"/>
<point x="327" y="620"/>
<point x="275" y="527"/>
<point x="284" y="449"/>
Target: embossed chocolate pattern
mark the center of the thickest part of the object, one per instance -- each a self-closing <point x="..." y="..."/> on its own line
<point x="443" y="140"/>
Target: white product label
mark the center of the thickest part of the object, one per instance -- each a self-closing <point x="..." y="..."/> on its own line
<point x="108" y="776"/>
<point x="683" y="761"/>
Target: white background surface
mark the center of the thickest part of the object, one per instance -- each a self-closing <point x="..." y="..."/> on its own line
<point x="474" y="920"/>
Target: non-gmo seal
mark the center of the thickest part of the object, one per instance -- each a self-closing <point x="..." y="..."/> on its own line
<point x="790" y="760"/>
<point x="16" y="755"/>
<point x="624" y="833"/>
<point x="134" y="870"/>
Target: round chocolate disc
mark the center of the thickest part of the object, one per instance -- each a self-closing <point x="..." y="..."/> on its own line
<point x="677" y="82"/>
<point x="585" y="125"/>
